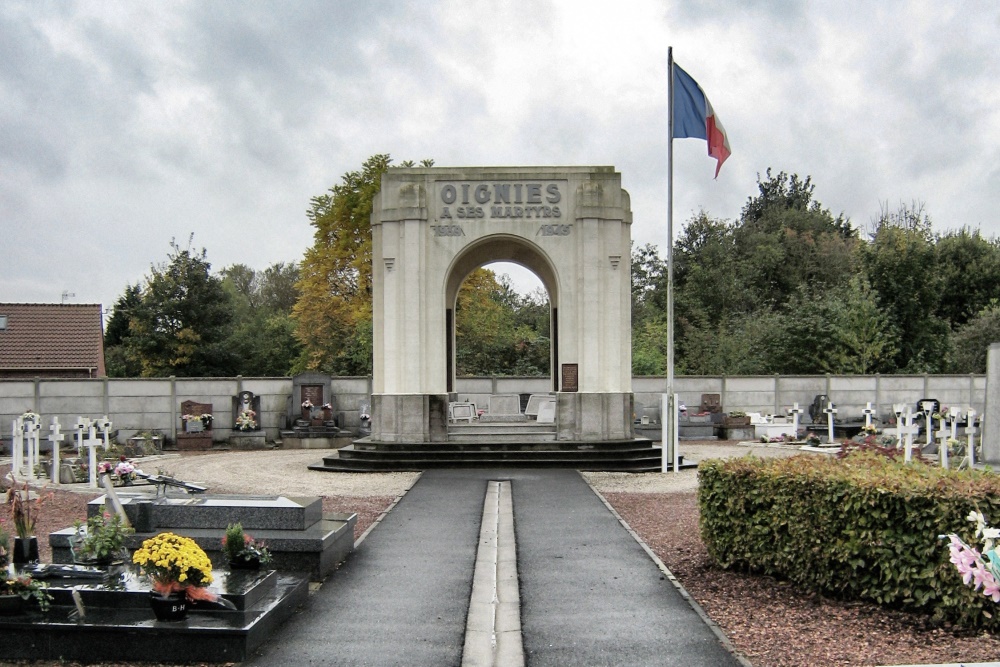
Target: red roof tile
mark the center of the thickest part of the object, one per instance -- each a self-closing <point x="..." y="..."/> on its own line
<point x="47" y="339"/>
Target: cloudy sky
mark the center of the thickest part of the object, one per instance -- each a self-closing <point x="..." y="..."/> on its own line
<point x="126" y="124"/>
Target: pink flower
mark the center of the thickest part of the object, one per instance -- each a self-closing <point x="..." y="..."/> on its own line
<point x="991" y="588"/>
<point x="981" y="576"/>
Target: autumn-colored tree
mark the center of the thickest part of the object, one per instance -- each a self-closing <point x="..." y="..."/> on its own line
<point x="497" y="330"/>
<point x="334" y="308"/>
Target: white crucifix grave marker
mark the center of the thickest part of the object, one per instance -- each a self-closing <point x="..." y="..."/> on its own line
<point x="868" y="412"/>
<point x="795" y="411"/>
<point x="31" y="428"/>
<point x="927" y="410"/>
<point x="830" y="411"/>
<point x="898" y="409"/>
<point x="970" y="433"/>
<point x="942" y="437"/>
<point x="954" y="414"/>
<point x="55" y="437"/>
<point x="17" y="446"/>
<point x="91" y="443"/>
<point x="908" y="430"/>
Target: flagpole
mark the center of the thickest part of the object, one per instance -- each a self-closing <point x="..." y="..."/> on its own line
<point x="669" y="424"/>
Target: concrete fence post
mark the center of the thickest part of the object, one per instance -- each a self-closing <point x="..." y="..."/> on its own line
<point x="991" y="416"/>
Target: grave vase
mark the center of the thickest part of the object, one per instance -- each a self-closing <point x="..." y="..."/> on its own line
<point x="172" y="607"/>
<point x="25" y="550"/>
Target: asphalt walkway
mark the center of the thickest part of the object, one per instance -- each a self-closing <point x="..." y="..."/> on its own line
<point x="590" y="595"/>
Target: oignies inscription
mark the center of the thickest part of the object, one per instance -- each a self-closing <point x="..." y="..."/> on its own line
<point x="474" y="200"/>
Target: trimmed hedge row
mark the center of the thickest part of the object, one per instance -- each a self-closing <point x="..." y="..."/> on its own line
<point x="858" y="528"/>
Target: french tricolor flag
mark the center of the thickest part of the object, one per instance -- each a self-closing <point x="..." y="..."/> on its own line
<point x="694" y="117"/>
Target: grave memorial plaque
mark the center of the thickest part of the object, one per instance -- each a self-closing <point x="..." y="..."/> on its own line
<point x="571" y="377"/>
<point x="312" y="393"/>
<point x="196" y="434"/>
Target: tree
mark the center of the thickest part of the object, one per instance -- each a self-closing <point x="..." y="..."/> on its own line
<point x="263" y="332"/>
<point x="334" y="306"/>
<point x="498" y="331"/>
<point x="182" y="321"/>
<point x="649" y="289"/>
<point x="865" y="340"/>
<point x="900" y="262"/>
<point x="786" y="239"/>
<point x="971" y="342"/>
<point x="116" y="359"/>
<point x="969" y="267"/>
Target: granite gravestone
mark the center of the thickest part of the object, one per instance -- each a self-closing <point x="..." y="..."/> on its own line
<point x="246" y="412"/>
<point x="196" y="423"/>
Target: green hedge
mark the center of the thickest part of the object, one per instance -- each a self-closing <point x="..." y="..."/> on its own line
<point x="858" y="528"/>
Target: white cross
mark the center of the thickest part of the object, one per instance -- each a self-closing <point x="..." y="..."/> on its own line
<point x="954" y="414"/>
<point x="942" y="436"/>
<point x="31" y="428"/>
<point x="868" y="412"/>
<point x="970" y="433"/>
<point x="17" y="446"/>
<point x="55" y="437"/>
<point x="927" y="409"/>
<point x="908" y="424"/>
<point x="830" y="412"/>
<point x="898" y="409"/>
<point x="795" y="411"/>
<point x="91" y="444"/>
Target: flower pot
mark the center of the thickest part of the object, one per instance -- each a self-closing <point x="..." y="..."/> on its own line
<point x="172" y="607"/>
<point x="25" y="550"/>
<point x="11" y="604"/>
<point x="245" y="564"/>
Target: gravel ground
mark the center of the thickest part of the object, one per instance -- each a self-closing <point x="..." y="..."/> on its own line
<point x="768" y="621"/>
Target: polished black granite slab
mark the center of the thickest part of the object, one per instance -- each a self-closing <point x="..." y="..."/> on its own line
<point x="119" y="625"/>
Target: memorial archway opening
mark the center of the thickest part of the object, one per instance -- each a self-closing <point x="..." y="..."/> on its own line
<point x="498" y="327"/>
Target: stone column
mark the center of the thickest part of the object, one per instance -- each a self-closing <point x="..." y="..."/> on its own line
<point x="991" y="417"/>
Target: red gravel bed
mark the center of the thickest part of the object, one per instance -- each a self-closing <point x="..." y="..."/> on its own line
<point x="770" y="622"/>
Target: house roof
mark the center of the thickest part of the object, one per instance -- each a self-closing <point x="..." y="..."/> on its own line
<point x="49" y="337"/>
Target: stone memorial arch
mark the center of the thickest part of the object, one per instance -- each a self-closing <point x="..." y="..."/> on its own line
<point x="431" y="227"/>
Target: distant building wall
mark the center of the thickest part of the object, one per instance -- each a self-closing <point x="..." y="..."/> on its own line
<point x="154" y="404"/>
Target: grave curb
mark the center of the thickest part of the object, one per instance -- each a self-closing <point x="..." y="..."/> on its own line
<point x="386" y="511"/>
<point x="712" y="625"/>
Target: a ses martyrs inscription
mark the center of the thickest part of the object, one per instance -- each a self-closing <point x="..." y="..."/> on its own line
<point x="478" y="200"/>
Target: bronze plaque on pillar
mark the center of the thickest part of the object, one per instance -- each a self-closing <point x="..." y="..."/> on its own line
<point x="570" y="377"/>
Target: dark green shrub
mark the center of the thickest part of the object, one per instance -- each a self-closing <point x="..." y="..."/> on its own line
<point x="858" y="528"/>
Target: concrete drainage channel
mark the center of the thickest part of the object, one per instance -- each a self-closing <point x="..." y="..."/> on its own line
<point x="493" y="627"/>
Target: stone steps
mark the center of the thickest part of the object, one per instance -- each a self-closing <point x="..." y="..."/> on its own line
<point x="634" y="455"/>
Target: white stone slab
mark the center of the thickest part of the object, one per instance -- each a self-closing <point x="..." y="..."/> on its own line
<point x="547" y="411"/>
<point x="505" y="404"/>
<point x="773" y="430"/>
<point x="462" y="412"/>
<point x="531" y="409"/>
